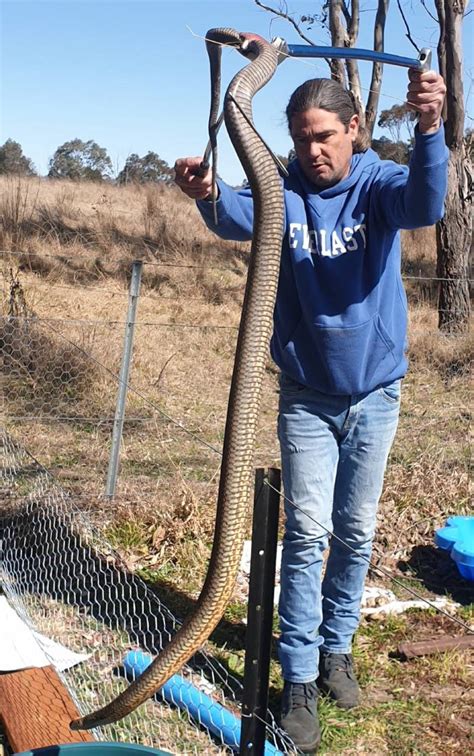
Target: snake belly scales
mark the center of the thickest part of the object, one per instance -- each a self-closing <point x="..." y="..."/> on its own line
<point x="246" y="387"/>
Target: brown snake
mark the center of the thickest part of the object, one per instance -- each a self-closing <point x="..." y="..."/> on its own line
<point x="246" y="387"/>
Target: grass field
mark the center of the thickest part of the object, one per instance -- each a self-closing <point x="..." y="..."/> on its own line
<point x="67" y="252"/>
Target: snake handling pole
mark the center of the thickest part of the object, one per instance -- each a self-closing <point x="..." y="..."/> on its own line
<point x="260" y="611"/>
<point x="422" y="63"/>
<point x="123" y="378"/>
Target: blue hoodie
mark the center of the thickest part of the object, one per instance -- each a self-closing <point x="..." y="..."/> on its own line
<point x="340" y="316"/>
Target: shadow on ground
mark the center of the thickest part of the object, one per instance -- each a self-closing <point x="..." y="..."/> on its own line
<point x="438" y="573"/>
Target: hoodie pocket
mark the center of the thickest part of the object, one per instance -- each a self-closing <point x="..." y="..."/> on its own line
<point x="345" y="360"/>
<point x="383" y="333"/>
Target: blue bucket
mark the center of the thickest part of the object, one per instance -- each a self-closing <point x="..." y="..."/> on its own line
<point x="95" y="749"/>
<point x="457" y="537"/>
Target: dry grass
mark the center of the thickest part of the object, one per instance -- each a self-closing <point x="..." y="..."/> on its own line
<point x="73" y="245"/>
<point x="449" y="356"/>
<point x="116" y="224"/>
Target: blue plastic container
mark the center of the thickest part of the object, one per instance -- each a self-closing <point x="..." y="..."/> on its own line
<point x="457" y="537"/>
<point x="95" y="749"/>
<point x="183" y="694"/>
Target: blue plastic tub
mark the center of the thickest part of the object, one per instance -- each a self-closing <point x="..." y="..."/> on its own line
<point x="95" y="749"/>
<point x="209" y="713"/>
<point x="457" y="537"/>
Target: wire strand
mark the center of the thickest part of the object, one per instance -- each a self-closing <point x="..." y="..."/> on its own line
<point x="202" y="267"/>
<point x="373" y="566"/>
<point x="151" y="263"/>
<point x="145" y="323"/>
<point x="115" y="292"/>
<point x="79" y="321"/>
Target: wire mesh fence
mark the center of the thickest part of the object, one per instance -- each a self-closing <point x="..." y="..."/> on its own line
<point x="59" y="369"/>
<point x="59" y="373"/>
<point x="70" y="586"/>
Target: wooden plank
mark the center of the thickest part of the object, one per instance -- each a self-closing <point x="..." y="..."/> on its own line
<point x="35" y="710"/>
<point x="435" y="645"/>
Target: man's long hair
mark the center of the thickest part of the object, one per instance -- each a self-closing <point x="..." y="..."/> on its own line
<point x="327" y="94"/>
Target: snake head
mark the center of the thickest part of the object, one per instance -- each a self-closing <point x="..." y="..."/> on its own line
<point x="251" y="44"/>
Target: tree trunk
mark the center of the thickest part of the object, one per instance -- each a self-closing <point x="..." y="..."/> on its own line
<point x="454" y="231"/>
<point x="336" y="29"/>
<point x="352" y="67"/>
<point x="454" y="238"/>
<point x="377" y="68"/>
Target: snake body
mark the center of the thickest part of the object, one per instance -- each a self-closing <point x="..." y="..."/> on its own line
<point x="246" y="387"/>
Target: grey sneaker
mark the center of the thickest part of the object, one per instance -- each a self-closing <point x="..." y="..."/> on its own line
<point x="299" y="715"/>
<point x="337" y="679"/>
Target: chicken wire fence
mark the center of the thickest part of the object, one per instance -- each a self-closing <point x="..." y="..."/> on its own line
<point x="58" y="569"/>
<point x="70" y="586"/>
<point x="59" y="373"/>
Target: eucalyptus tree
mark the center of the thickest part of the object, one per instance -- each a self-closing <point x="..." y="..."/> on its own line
<point x="13" y="161"/>
<point x="454" y="232"/>
<point x="147" y="169"/>
<point x="80" y="161"/>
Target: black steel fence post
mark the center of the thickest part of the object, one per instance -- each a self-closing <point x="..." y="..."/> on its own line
<point x="260" y="611"/>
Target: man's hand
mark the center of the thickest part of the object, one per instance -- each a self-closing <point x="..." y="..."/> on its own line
<point x="426" y="92"/>
<point x="187" y="177"/>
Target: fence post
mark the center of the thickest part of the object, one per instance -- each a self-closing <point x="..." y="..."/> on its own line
<point x="123" y="378"/>
<point x="260" y="611"/>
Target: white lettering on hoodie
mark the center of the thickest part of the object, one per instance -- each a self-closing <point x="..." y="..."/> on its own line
<point x="325" y="244"/>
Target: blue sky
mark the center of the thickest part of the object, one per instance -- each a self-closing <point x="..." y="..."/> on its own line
<point x="131" y="75"/>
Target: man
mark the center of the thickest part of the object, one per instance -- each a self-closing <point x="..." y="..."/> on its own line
<point x="339" y="339"/>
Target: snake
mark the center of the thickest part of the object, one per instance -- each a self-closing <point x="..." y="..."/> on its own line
<point x="256" y="322"/>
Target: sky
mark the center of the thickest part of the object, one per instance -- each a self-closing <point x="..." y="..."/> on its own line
<point x="133" y="75"/>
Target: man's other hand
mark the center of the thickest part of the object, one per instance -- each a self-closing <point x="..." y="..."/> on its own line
<point x="188" y="178"/>
<point x="425" y="95"/>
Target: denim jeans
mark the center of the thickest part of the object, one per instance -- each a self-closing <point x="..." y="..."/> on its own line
<point x="334" y="453"/>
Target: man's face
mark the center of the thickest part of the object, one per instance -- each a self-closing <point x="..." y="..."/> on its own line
<point x="323" y="146"/>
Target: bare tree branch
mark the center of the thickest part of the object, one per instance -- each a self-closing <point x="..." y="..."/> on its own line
<point x="441" y="49"/>
<point x="287" y="17"/>
<point x="451" y="21"/>
<point x="346" y="13"/>
<point x="423" y="2"/>
<point x="344" y="23"/>
<point x="352" y="67"/>
<point x="408" y="32"/>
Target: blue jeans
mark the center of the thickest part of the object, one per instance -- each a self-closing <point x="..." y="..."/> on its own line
<point x="334" y="453"/>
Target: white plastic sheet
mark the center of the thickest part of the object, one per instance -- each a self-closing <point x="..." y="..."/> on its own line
<point x="20" y="648"/>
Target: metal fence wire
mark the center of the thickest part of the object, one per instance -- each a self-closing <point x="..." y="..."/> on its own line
<point x="69" y="585"/>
